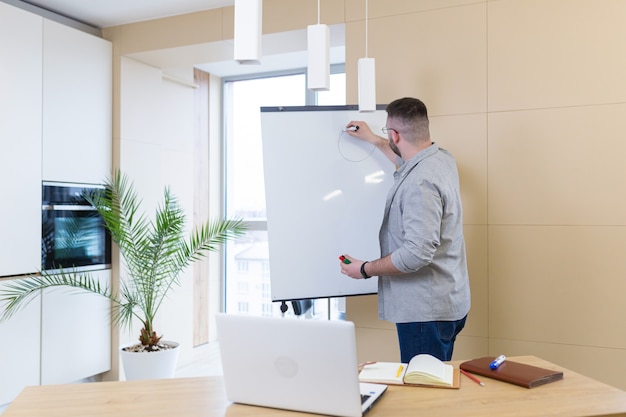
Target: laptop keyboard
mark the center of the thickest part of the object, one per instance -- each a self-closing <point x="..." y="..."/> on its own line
<point x="364" y="398"/>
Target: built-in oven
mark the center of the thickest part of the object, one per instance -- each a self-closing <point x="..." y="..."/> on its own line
<point x="72" y="232"/>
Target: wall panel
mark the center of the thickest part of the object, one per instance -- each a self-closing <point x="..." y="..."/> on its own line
<point x="465" y="136"/>
<point x="555" y="53"/>
<point x="476" y="238"/>
<point x="558" y="284"/>
<point x="560" y="166"/>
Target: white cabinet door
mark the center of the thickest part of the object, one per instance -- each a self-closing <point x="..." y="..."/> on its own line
<point x="19" y="349"/>
<point x="20" y="141"/>
<point x="77" y="105"/>
<point x="75" y="334"/>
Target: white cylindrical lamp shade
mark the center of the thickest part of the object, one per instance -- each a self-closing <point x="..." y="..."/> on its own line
<point x="318" y="54"/>
<point x="367" y="84"/>
<point x="248" y="31"/>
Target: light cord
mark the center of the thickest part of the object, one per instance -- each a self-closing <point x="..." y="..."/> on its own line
<point x="366" y="28"/>
<point x="318" y="11"/>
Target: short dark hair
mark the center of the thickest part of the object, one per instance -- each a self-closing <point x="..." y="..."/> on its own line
<point x="411" y="115"/>
<point x="407" y="108"/>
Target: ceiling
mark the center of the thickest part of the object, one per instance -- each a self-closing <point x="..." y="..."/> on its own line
<point x="105" y="13"/>
<point x="280" y="51"/>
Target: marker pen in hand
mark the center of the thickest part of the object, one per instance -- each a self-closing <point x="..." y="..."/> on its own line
<point x="353" y="128"/>
<point x="345" y="260"/>
<point x="497" y="362"/>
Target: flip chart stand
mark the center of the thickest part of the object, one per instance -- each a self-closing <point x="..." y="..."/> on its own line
<point x="299" y="307"/>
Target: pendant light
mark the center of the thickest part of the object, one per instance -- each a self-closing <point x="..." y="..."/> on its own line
<point x="248" y="23"/>
<point x="367" y="76"/>
<point x="318" y="55"/>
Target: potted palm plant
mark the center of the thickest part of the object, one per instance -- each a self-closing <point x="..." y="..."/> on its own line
<point x="154" y="253"/>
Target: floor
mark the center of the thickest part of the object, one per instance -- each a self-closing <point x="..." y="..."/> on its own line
<point x="206" y="362"/>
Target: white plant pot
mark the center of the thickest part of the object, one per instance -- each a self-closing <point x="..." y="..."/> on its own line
<point x="150" y="365"/>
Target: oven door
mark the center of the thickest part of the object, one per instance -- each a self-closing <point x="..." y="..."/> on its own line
<point x="74" y="236"/>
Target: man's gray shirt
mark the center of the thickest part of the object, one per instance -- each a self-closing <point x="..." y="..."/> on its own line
<point x="422" y="229"/>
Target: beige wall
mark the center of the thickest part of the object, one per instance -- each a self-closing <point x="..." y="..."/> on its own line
<point x="529" y="96"/>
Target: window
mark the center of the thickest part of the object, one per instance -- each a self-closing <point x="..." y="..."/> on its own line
<point x="242" y="267"/>
<point x="245" y="192"/>
<point x="243" y="287"/>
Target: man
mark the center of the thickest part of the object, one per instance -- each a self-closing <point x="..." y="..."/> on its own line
<point x="423" y="283"/>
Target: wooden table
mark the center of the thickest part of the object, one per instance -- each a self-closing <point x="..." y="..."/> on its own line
<point x="575" y="395"/>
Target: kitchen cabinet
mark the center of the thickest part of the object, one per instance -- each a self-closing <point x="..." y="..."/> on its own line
<point x="75" y="333"/>
<point x="55" y="124"/>
<point x="77" y="105"/>
<point x="19" y="349"/>
<point x="77" y="148"/>
<point x="20" y="140"/>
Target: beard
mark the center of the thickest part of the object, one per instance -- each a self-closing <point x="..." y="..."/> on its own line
<point x="394" y="148"/>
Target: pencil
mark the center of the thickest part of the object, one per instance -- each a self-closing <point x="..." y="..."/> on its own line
<point x="473" y="378"/>
<point x="399" y="371"/>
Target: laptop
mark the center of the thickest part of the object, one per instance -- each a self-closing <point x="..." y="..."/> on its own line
<point x="294" y="364"/>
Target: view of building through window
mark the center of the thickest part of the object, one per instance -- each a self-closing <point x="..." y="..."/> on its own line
<point x="248" y="284"/>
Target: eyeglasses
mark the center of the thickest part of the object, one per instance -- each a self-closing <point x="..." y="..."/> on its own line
<point x="387" y="129"/>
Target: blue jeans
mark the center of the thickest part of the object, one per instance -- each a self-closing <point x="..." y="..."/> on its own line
<point x="433" y="337"/>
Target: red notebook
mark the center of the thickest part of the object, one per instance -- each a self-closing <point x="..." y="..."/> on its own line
<point x="513" y="372"/>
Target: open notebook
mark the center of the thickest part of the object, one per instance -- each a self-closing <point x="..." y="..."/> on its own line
<point x="295" y="364"/>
